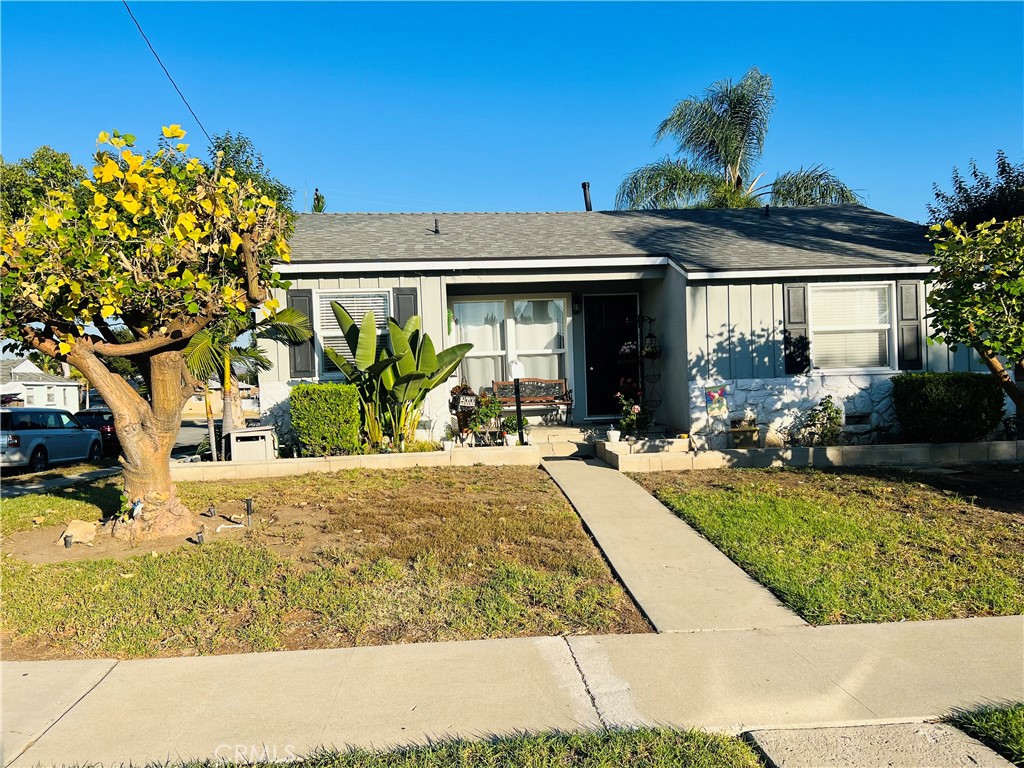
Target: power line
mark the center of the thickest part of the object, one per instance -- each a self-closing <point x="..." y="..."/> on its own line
<point x="157" y="56"/>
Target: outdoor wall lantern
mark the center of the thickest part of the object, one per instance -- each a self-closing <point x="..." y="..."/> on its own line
<point x="577" y="303"/>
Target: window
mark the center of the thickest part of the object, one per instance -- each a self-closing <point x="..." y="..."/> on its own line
<point x="30" y="396"/>
<point x="51" y="395"/>
<point x="357" y="305"/>
<point x="851" y="326"/>
<point x="531" y="330"/>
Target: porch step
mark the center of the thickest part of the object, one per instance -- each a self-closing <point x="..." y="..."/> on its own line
<point x="566" y="448"/>
<point x="555" y="434"/>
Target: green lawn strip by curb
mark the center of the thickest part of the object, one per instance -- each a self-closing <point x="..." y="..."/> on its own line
<point x="1000" y="726"/>
<point x="633" y="748"/>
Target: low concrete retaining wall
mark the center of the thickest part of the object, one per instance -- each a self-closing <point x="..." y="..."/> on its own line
<point x="524" y="455"/>
<point x="903" y="455"/>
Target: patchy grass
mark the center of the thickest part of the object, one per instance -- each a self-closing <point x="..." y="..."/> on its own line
<point x="82" y="501"/>
<point x="1000" y="726"/>
<point x="355" y="558"/>
<point x="846" y="548"/>
<point x="634" y="748"/>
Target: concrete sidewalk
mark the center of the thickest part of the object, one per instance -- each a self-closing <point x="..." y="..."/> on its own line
<point x="677" y="577"/>
<point x="277" y="704"/>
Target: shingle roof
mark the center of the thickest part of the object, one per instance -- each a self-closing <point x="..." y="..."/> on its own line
<point x="7" y="374"/>
<point x="825" y="236"/>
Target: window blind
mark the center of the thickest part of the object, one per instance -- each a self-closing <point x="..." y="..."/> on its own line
<point x="357" y="305"/>
<point x="850" y="326"/>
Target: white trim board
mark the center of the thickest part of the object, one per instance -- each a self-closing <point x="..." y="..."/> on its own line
<point x="498" y="265"/>
<point x="748" y="274"/>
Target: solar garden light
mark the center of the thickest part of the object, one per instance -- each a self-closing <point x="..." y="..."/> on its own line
<point x="248" y="512"/>
<point x="199" y="536"/>
<point x="212" y="511"/>
<point x="518" y="371"/>
<point x="68" y="540"/>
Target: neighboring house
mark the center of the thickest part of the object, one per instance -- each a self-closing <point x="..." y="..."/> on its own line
<point x="30" y="384"/>
<point x="780" y="307"/>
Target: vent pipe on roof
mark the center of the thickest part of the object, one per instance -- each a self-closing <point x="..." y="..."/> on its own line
<point x="586" y="195"/>
<point x="767" y="211"/>
<point x="437" y="228"/>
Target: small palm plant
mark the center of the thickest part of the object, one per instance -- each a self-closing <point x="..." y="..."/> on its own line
<point x="215" y="353"/>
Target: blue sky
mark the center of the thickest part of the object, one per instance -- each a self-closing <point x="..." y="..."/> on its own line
<point x="482" y="107"/>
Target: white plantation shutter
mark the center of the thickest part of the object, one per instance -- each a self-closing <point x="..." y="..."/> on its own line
<point x="850" y="326"/>
<point x="357" y="305"/>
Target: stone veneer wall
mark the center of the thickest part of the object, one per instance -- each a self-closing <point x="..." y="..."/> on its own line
<point x="774" y="404"/>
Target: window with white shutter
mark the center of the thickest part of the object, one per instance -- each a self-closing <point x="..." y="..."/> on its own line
<point x="851" y="326"/>
<point x="357" y="305"/>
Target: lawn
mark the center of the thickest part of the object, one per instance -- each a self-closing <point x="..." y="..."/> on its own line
<point x="1000" y="726"/>
<point x="845" y="547"/>
<point x="635" y="748"/>
<point x="354" y="558"/>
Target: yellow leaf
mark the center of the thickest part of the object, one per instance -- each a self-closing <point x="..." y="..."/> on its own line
<point x="110" y="171"/>
<point x="99" y="200"/>
<point x="103" y="138"/>
<point x="53" y="220"/>
<point x="241" y="305"/>
<point x="64" y="347"/>
<point x="106" y="310"/>
<point x="236" y="241"/>
<point x="264" y="200"/>
<point x="182" y="147"/>
<point x="173" y="131"/>
<point x="206" y="205"/>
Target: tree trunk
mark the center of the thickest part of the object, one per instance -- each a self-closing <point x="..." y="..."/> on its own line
<point x="211" y="427"/>
<point x="147" y="432"/>
<point x="1010" y="387"/>
<point x="233" y="404"/>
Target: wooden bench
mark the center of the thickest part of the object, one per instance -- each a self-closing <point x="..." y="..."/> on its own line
<point x="536" y="392"/>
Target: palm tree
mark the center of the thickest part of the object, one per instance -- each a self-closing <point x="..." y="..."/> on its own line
<point x="721" y="137"/>
<point x="215" y="353"/>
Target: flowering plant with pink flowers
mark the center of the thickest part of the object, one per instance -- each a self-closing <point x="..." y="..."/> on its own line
<point x="636" y="419"/>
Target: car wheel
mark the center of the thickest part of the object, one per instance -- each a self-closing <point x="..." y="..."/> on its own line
<point x="39" y="460"/>
<point x="95" y="451"/>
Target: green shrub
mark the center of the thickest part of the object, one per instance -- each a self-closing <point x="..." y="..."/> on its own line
<point x="325" y="418"/>
<point x="946" y="407"/>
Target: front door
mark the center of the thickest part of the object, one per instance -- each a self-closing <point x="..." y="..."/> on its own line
<point x="613" y="361"/>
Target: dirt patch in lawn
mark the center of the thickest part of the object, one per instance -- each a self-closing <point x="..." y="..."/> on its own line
<point x="354" y="558"/>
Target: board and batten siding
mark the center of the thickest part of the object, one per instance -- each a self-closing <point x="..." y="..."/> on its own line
<point x="735" y="331"/>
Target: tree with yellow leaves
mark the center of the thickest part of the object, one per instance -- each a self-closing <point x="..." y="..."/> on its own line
<point x="160" y="247"/>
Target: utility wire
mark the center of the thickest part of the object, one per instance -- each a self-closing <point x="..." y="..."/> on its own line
<point x="157" y="56"/>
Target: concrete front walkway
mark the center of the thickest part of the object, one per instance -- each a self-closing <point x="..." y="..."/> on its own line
<point x="277" y="704"/>
<point x="677" y="577"/>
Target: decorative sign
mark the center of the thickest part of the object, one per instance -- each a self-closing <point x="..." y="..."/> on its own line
<point x="463" y="400"/>
<point x="467" y="402"/>
<point x="716" y="403"/>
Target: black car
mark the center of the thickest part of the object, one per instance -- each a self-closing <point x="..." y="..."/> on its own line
<point x="103" y="420"/>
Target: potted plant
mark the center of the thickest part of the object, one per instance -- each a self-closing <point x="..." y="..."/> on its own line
<point x="510" y="430"/>
<point x="448" y="441"/>
<point x="613" y="434"/>
<point x="486" y="421"/>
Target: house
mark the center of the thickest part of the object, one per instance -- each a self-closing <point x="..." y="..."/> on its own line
<point x="774" y="307"/>
<point x="27" y="382"/>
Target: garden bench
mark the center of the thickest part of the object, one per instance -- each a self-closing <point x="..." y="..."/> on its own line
<point x="536" y="392"/>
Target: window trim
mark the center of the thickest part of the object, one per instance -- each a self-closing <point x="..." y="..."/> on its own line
<point x="890" y="292"/>
<point x="509" y="321"/>
<point x="320" y="357"/>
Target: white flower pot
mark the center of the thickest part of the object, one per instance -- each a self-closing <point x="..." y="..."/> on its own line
<point x="448" y="445"/>
<point x="614" y="435"/>
<point x="510" y="440"/>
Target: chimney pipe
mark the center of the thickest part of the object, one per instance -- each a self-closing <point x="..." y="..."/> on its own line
<point x="586" y="195"/>
<point x="437" y="227"/>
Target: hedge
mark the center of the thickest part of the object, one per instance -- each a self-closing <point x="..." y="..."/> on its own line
<point x="946" y="407"/>
<point x="325" y="418"/>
